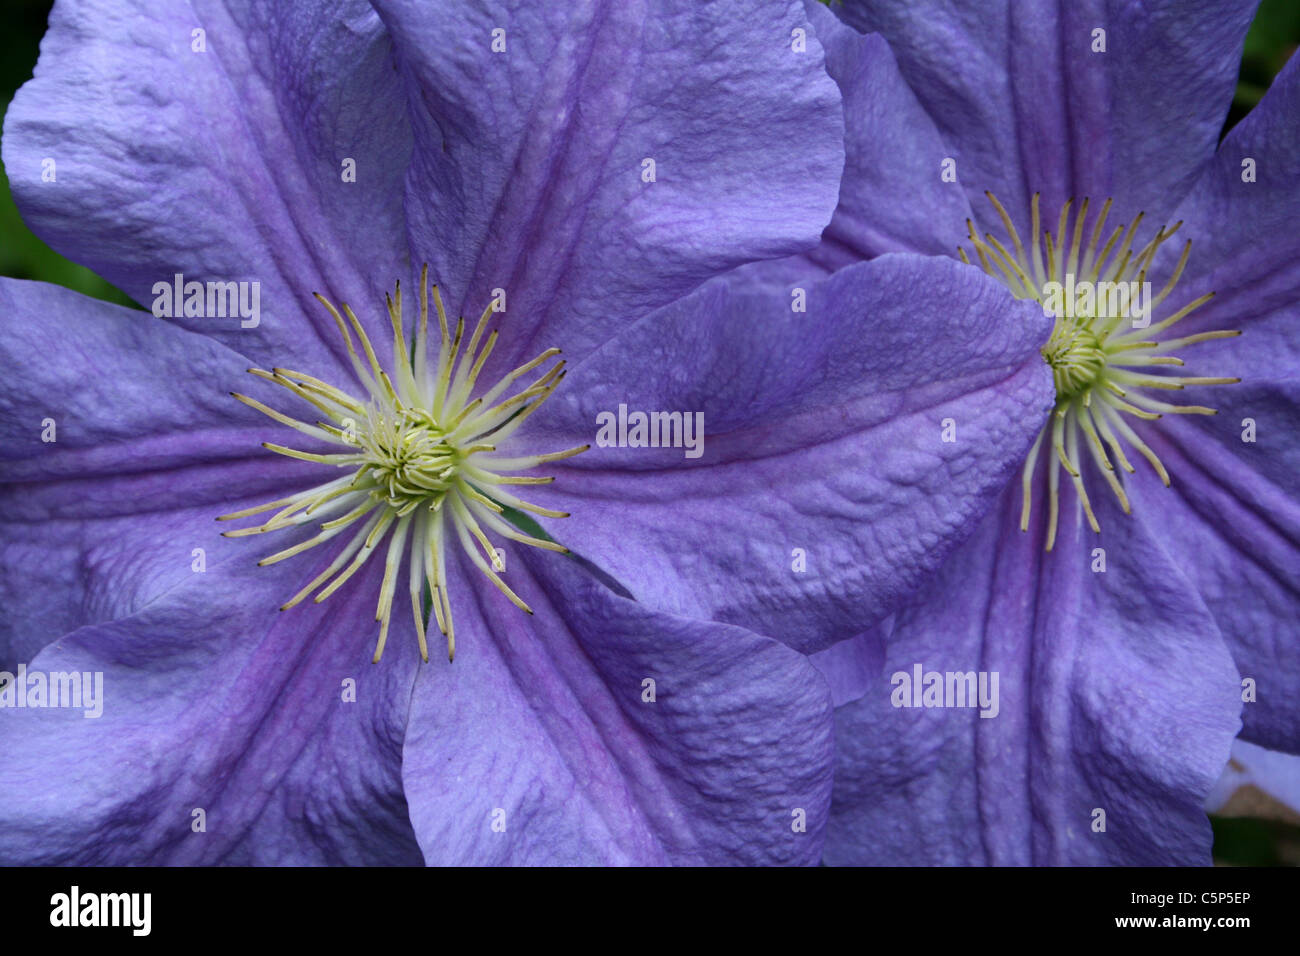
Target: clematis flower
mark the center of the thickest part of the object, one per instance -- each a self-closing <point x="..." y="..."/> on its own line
<point x="1135" y="592"/>
<point x="221" y="143"/>
<point x="571" y="176"/>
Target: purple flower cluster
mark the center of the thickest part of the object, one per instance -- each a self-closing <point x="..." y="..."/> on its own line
<point x="829" y="544"/>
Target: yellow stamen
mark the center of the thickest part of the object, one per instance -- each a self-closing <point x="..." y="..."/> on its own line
<point x="1101" y="368"/>
<point x="420" y="454"/>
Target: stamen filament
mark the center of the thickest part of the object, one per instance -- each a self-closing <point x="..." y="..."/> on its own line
<point x="1102" y="368"/>
<point x="420" y="449"/>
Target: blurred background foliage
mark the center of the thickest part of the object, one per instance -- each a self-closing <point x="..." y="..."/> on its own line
<point x="1258" y="832"/>
<point x="22" y="255"/>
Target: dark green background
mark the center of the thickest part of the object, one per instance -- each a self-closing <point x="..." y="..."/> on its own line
<point x="1260" y="839"/>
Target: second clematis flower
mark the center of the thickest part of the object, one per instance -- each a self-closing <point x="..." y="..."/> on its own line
<point x="567" y="178"/>
<point x="1068" y="687"/>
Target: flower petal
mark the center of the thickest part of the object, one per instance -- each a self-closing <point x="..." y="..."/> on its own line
<point x="222" y="164"/>
<point x="213" y="702"/>
<point x="1231" y="522"/>
<point x="531" y="176"/>
<point x="1115" y="693"/>
<point x="893" y="197"/>
<point x="544" y="744"/>
<point x="845" y="449"/>
<point x="119" y="445"/>
<point x="1027" y="105"/>
<point x="1241" y="217"/>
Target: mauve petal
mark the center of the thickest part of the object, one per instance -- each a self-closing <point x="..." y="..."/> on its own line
<point x="529" y="178"/>
<point x="148" y="449"/>
<point x="1115" y="692"/>
<point x="1231" y="522"/>
<point x="213" y="701"/>
<point x="892" y="197"/>
<point x="222" y="165"/>
<point x="541" y="726"/>
<point x="1256" y="770"/>
<point x="823" y="432"/>
<point x="852" y="667"/>
<point x="1015" y="88"/>
<point x="1233" y="515"/>
<point x="1245" y="244"/>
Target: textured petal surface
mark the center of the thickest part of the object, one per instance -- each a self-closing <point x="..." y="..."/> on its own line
<point x="825" y="488"/>
<point x="544" y="744"/>
<point x="1115" y="693"/>
<point x="118" y="446"/>
<point x="225" y="164"/>
<point x="1233" y="521"/>
<point x="893" y="197"/>
<point x="211" y="701"/>
<point x="1016" y="89"/>
<point x="1245" y="242"/>
<point x="532" y="173"/>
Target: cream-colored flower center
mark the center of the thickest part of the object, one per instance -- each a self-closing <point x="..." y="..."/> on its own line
<point x="411" y="458"/>
<point x="1077" y="359"/>
<point x="420" y="452"/>
<point x="1105" y="348"/>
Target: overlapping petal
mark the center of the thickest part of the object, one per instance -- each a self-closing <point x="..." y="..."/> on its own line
<point x="599" y="731"/>
<point x="893" y="150"/>
<point x="824" y="488"/>
<point x="1117" y="703"/>
<point x="533" y="172"/>
<point x="1022" y="93"/>
<point x="119" y="444"/>
<point x="1241" y="217"/>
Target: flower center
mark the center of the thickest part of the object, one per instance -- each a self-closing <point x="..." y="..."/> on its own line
<point x="1104" y="351"/>
<point x="410" y="457"/>
<point x="1075" y="354"/>
<point x="421" y="461"/>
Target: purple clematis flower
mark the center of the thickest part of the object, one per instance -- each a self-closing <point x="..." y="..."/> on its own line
<point x="579" y="171"/>
<point x="1067" y="689"/>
